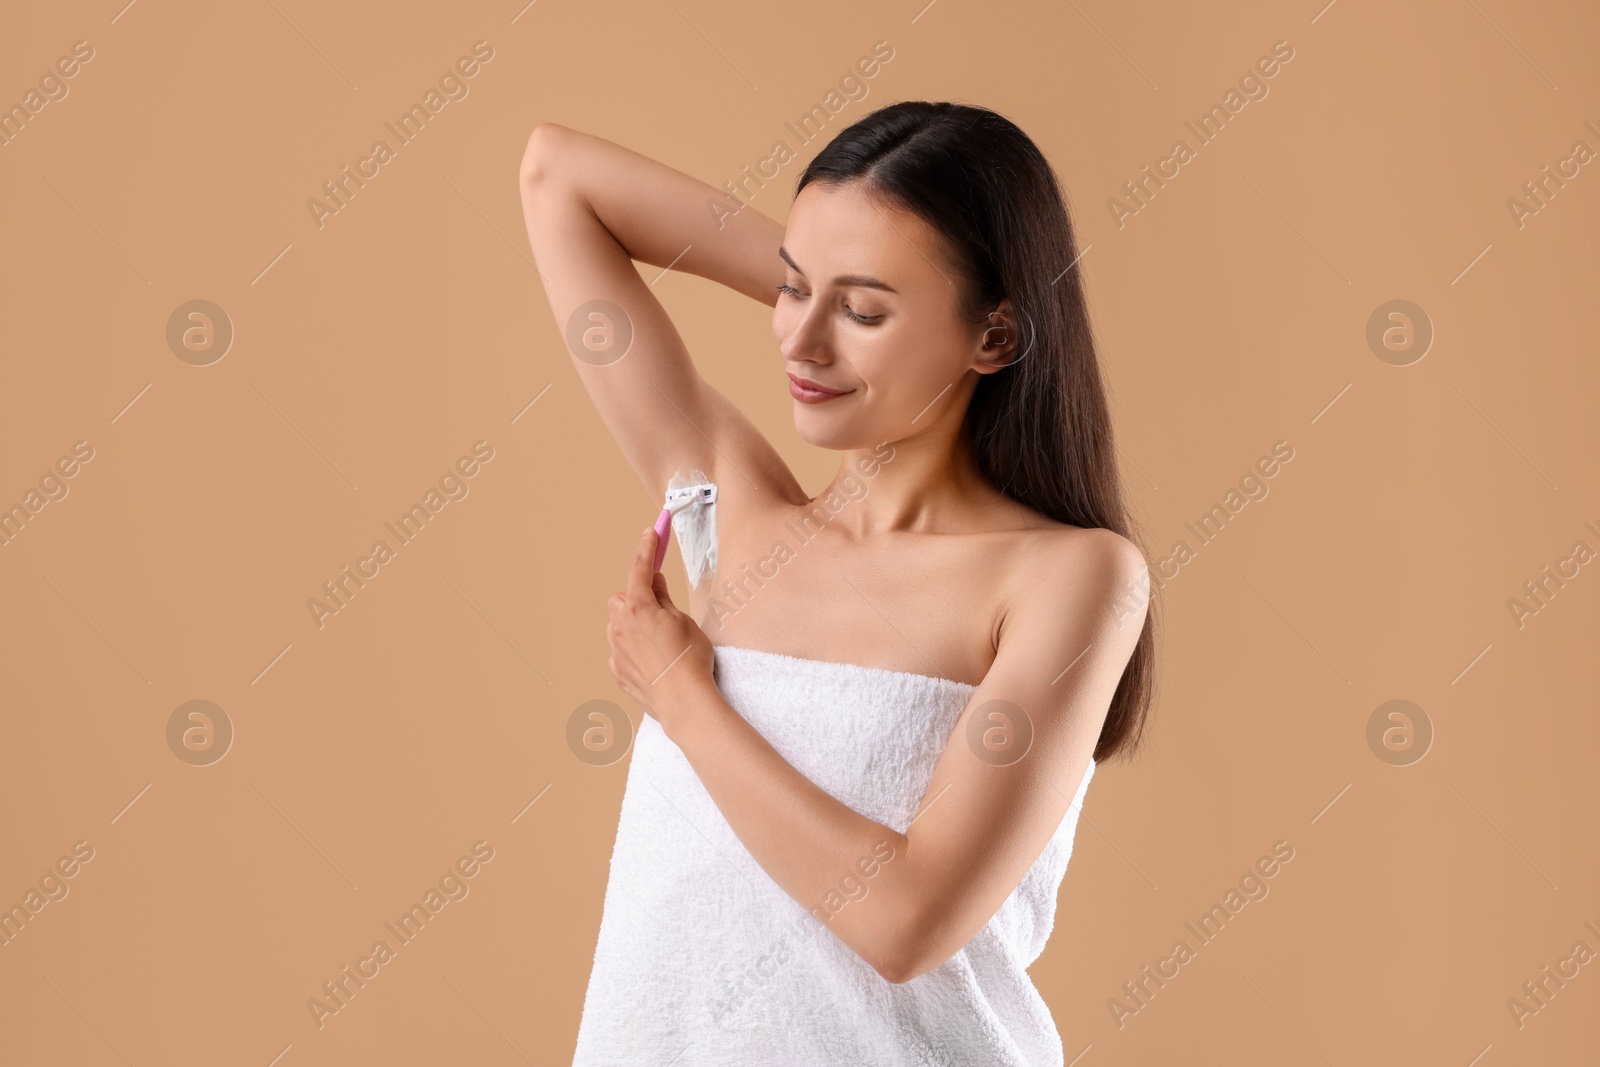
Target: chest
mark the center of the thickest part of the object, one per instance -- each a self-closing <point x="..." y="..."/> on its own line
<point x="907" y="602"/>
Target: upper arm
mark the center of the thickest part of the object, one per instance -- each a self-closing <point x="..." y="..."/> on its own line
<point x="634" y="365"/>
<point x="1000" y="800"/>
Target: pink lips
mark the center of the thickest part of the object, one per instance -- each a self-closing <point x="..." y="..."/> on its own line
<point x="809" y="392"/>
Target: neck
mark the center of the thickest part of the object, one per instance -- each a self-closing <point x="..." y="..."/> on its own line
<point x="930" y="483"/>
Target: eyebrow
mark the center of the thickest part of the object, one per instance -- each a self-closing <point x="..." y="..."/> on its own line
<point x="860" y="281"/>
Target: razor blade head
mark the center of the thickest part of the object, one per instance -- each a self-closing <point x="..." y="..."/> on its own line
<point x="704" y="493"/>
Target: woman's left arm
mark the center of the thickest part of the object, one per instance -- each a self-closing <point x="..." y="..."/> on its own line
<point x="989" y="809"/>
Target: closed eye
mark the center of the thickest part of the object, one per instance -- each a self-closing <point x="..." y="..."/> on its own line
<point x="866" y="320"/>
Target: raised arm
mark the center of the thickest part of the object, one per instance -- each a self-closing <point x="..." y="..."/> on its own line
<point x="591" y="207"/>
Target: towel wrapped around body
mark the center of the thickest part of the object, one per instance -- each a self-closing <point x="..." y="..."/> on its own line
<point x="703" y="960"/>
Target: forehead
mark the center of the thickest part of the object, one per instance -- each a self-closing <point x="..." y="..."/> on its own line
<point x="838" y="229"/>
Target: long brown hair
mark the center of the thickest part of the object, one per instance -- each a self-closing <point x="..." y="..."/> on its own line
<point x="1040" y="429"/>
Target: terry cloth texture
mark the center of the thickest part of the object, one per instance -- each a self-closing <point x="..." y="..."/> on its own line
<point x="703" y="959"/>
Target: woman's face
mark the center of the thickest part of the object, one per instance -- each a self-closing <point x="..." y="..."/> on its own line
<point x="904" y="368"/>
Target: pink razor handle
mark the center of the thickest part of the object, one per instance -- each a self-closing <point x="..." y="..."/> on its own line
<point x="663" y="532"/>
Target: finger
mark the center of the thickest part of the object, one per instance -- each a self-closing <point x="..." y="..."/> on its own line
<point x="658" y="586"/>
<point x="643" y="565"/>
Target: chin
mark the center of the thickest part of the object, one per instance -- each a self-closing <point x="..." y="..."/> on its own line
<point x="812" y="434"/>
<point x="837" y="435"/>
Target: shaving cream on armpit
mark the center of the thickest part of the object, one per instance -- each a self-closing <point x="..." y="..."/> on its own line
<point x="690" y="511"/>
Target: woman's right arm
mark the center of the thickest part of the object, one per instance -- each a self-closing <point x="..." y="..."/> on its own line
<point x="592" y="207"/>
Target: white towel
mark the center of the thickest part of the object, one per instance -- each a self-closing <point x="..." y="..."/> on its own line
<point x="703" y="960"/>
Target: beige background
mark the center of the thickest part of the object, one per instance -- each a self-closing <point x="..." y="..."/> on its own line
<point x="431" y="711"/>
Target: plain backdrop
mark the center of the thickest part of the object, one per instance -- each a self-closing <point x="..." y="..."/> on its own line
<point x="373" y="347"/>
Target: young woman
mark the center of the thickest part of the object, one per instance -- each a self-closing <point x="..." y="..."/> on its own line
<point x="852" y="800"/>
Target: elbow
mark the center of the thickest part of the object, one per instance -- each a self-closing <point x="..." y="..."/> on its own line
<point x="902" y="939"/>
<point x="904" y="955"/>
<point x="902" y="967"/>
<point x="542" y="152"/>
<point x="923" y="937"/>
<point x="896" y="973"/>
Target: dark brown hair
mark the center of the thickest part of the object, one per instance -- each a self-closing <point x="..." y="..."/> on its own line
<point x="1040" y="429"/>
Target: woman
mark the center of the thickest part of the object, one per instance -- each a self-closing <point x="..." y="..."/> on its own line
<point x="952" y="634"/>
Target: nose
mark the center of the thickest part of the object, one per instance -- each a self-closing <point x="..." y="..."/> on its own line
<point x="802" y="331"/>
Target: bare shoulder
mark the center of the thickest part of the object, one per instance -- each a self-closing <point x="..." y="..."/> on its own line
<point x="1072" y="617"/>
<point x="1058" y="550"/>
<point x="1095" y="574"/>
<point x="1096" y="551"/>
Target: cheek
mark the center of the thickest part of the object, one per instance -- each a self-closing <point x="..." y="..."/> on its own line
<point x="906" y="360"/>
<point x="943" y="354"/>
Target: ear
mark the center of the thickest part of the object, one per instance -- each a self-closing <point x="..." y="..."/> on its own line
<point x="998" y="340"/>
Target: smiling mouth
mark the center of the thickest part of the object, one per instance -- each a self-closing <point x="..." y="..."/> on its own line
<point x="809" y="392"/>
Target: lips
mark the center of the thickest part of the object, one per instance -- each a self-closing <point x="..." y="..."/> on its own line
<point x="809" y="392"/>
